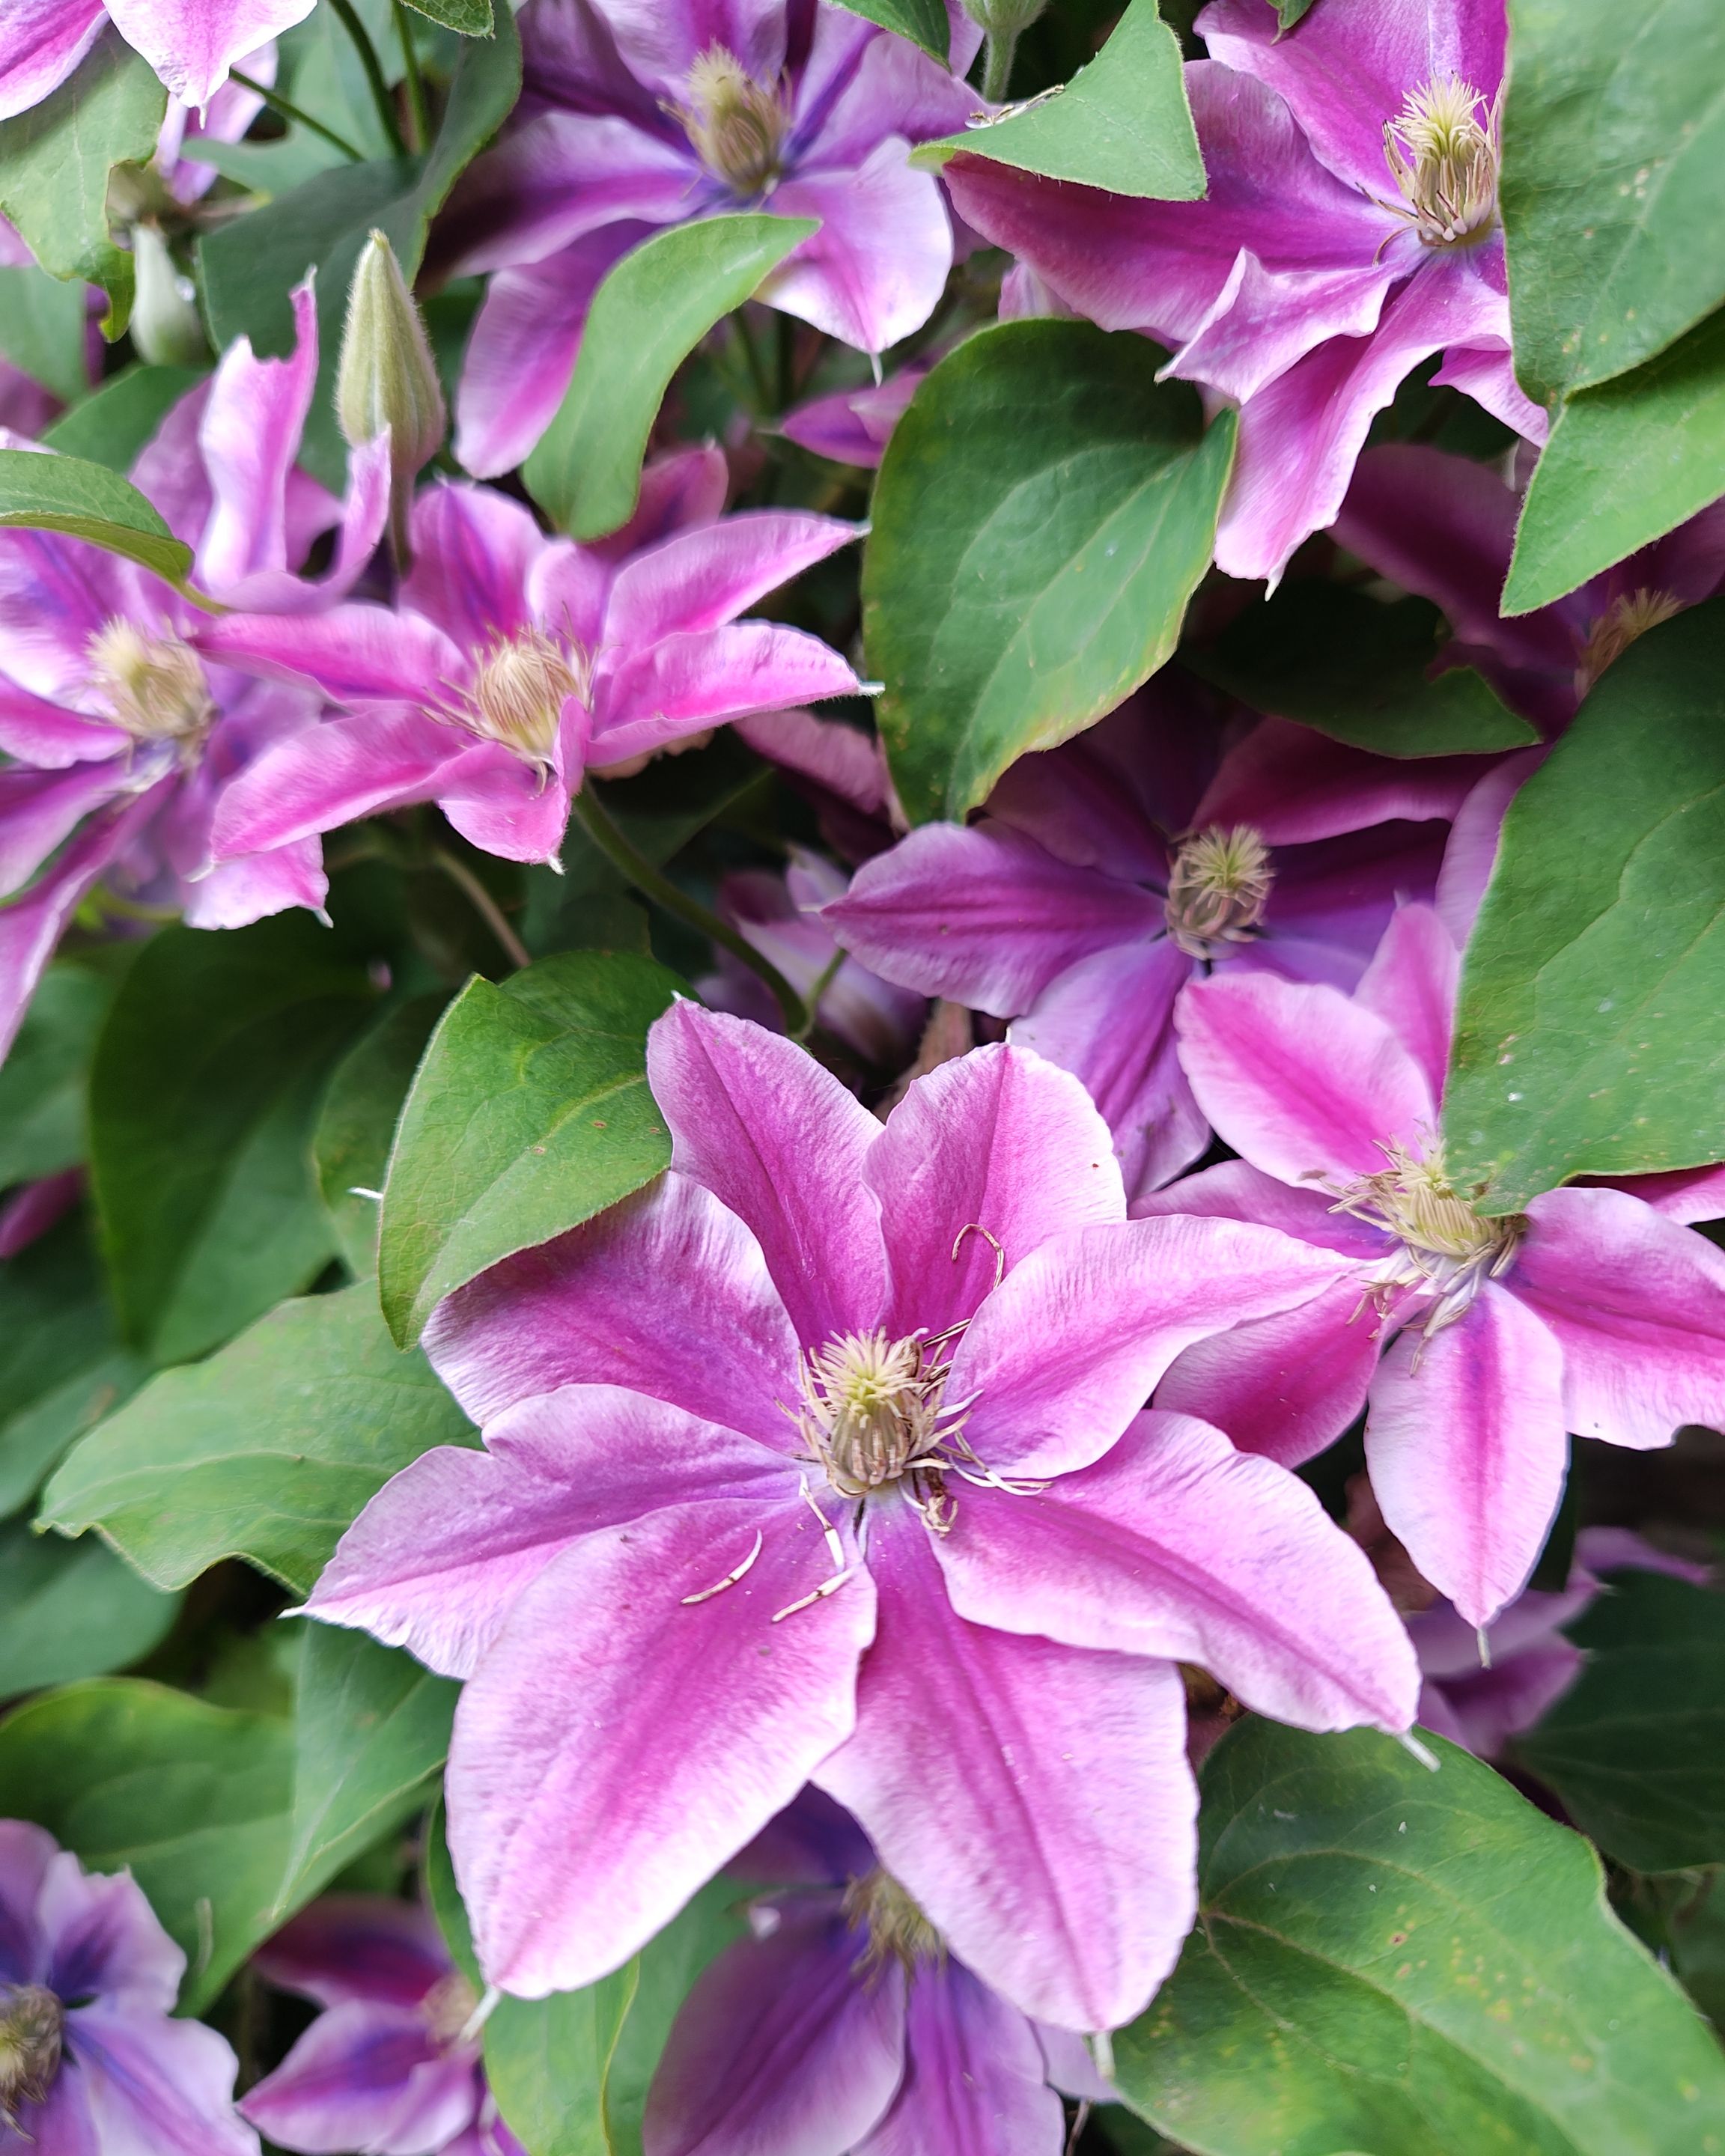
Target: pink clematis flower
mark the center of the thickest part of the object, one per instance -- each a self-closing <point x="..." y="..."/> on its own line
<point x="1075" y="910"/>
<point x="513" y="663"/>
<point x="824" y="1459"/>
<point x="191" y="43"/>
<point x="388" y="2066"/>
<point x="1349" y="232"/>
<point x="842" y="2026"/>
<point x="122" y="720"/>
<point x="1592" y="1312"/>
<point x="634" y="117"/>
<point x="854" y="426"/>
<point x="92" y="2061"/>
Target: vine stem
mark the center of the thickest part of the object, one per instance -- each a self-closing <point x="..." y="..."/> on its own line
<point x="484" y="905"/>
<point x="373" y="72"/>
<point x="997" y="64"/>
<point x="418" y="113"/>
<point x="600" y="827"/>
<point x="291" y="111"/>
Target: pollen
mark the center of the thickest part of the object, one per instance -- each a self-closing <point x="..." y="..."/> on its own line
<point x="1218" y="889"/>
<point x="1443" y="149"/>
<point x="872" y="1407"/>
<point x="518" y="691"/>
<point x="153" y="686"/>
<point x="31" y="2029"/>
<point x="1448" y="1250"/>
<point x="735" y="125"/>
<point x="1629" y="615"/>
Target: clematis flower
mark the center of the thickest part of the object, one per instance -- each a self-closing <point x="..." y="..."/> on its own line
<point x="843" y="2027"/>
<point x="635" y="118"/>
<point x="388" y="2066"/>
<point x="1591" y="1313"/>
<point x="1350" y="230"/>
<point x="1444" y="526"/>
<point x="92" y="2061"/>
<point x="823" y="1460"/>
<point x="1074" y="909"/>
<point x="191" y="43"/>
<point x="122" y="719"/>
<point x="513" y="662"/>
<point x="854" y="426"/>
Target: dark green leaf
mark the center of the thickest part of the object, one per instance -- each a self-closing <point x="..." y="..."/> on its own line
<point x="1288" y="13"/>
<point x="647" y="316"/>
<point x="71" y="1610"/>
<point x="204" y="1098"/>
<point x="530" y="1114"/>
<point x="1359" y="671"/>
<point x="110" y="426"/>
<point x="55" y="160"/>
<point x="446" y="1897"/>
<point x="1636" y="1747"/>
<point x="42" y="1080"/>
<point x="546" y="2060"/>
<point x="1392" y="1960"/>
<point x="88" y="502"/>
<point x="1625" y="463"/>
<point x="924" y="22"/>
<point x="1592" y="1022"/>
<point x="194" y="1798"/>
<point x="1043" y="512"/>
<point x="371" y="1734"/>
<point x="267" y="1451"/>
<point x="42" y="325"/>
<point x="471" y="17"/>
<point x="1121" y="123"/>
<point x="1613" y="136"/>
<point x="357" y="1124"/>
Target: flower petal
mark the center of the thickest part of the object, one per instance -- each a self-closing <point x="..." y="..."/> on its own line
<point x="691" y="680"/>
<point x="473" y="549"/>
<point x="975" y="2083"/>
<point x="155" y="2087"/>
<point x="249" y="439"/>
<point x="366" y="2077"/>
<point x="45" y="39"/>
<point x="702" y="578"/>
<point x="875" y="271"/>
<point x="192" y="44"/>
<point x="366" y="1946"/>
<point x="333" y="773"/>
<point x="1411" y="984"/>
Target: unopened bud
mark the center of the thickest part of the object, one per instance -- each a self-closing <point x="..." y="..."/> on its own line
<point x="1004" y="18"/>
<point x="387" y="377"/>
<point x="32" y="2026"/>
<point x="165" y="326"/>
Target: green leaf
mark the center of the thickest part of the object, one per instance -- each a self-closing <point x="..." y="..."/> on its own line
<point x="547" y="2059"/>
<point x="371" y="1734"/>
<point x="42" y="1080"/>
<point x="1043" y="512"/>
<point x="55" y="160"/>
<point x="1121" y="123"/>
<point x="1288" y="13"/>
<point x="267" y="1451"/>
<point x="1636" y="1747"/>
<point x="923" y="21"/>
<point x="1388" y="1960"/>
<point x="1357" y="670"/>
<point x="471" y="17"/>
<point x="111" y="424"/>
<point x="648" y="315"/>
<point x="530" y="1114"/>
<point x="667" y="1966"/>
<point x="1613" y="134"/>
<point x="1591" y="1028"/>
<point x="204" y="1098"/>
<point x="193" y="1799"/>
<point x="446" y="1897"/>
<point x="88" y="502"/>
<point x="71" y="1610"/>
<point x="357" y="1124"/>
<point x="1626" y="462"/>
<point x="42" y="325"/>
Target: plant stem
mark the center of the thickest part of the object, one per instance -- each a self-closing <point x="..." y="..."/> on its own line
<point x="596" y="822"/>
<point x="292" y="112"/>
<point x="484" y="905"/>
<point x="997" y="64"/>
<point x="419" y="119"/>
<point x="373" y="71"/>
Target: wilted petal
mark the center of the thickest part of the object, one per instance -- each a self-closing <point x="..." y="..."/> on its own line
<point x="975" y="2083"/>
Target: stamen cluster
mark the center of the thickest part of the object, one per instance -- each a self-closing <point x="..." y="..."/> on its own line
<point x="896" y="1927"/>
<point x="1629" y="615"/>
<point x="1218" y="889"/>
<point x="735" y="125"/>
<point x="154" y="686"/>
<point x="1443" y="148"/>
<point x="872" y="1411"/>
<point x="32" y="2031"/>
<point x="1448" y="1250"/>
<point x="518" y="692"/>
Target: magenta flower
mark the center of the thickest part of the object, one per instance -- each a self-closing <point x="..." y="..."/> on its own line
<point x="92" y="2061"/>
<point x="854" y="426"/>
<point x="824" y="1459"/>
<point x="1350" y="231"/>
<point x="122" y="720"/>
<point x="1592" y="1312"/>
<point x="635" y="118"/>
<point x="191" y="43"/>
<point x="842" y="2026"/>
<point x="1074" y="909"/>
<point x="389" y="2067"/>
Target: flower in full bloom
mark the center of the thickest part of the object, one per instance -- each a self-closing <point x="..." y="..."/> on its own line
<point x="842" y="2026"/>
<point x="92" y="2061"/>
<point x="1076" y="908"/>
<point x="191" y="43"/>
<point x="513" y="662"/>
<point x="635" y="118"/>
<point x="392" y="2065"/>
<point x="1350" y="230"/>
<point x="1593" y="1312"/>
<point x="824" y="1459"/>
<point x="123" y="725"/>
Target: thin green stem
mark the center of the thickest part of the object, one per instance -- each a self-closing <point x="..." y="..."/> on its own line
<point x="418" y="118"/>
<point x="818" y="990"/>
<point x="373" y="72"/>
<point x="292" y="112"/>
<point x="484" y="905"/>
<point x="997" y="64"/>
<point x="765" y="407"/>
<point x="596" y="822"/>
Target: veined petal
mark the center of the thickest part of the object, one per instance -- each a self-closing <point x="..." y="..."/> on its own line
<point x="158" y="2085"/>
<point x="192" y="44"/>
<point x="1411" y="984"/>
<point x="694" y="679"/>
<point x="703" y="577"/>
<point x="45" y="39"/>
<point x="875" y="271"/>
<point x="333" y="773"/>
<point x="104" y="1940"/>
<point x="49" y="735"/>
<point x="474" y="550"/>
<point x="975" y="2082"/>
<point x="1293" y="785"/>
<point x="356" y="653"/>
<point x="365" y="2076"/>
<point x="366" y="1946"/>
<point x="38" y="809"/>
<point x="248" y="436"/>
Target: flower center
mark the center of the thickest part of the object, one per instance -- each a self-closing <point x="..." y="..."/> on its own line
<point x="1443" y="148"/>
<point x="1448" y="1251"/>
<point x="1218" y="889"/>
<point x="872" y="1410"/>
<point x="154" y="686"/>
<point x="1629" y="615"/>
<point x="448" y="2008"/>
<point x="897" y="1928"/>
<point x="735" y="126"/>
<point x="518" y="691"/>
<point x="32" y="2028"/>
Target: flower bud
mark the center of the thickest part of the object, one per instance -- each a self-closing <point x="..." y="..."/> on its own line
<point x="1004" y="18"/>
<point x="387" y="377"/>
<point x="165" y="325"/>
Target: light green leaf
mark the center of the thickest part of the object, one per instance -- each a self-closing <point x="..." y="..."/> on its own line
<point x="647" y="316"/>
<point x="56" y="158"/>
<point x="1613" y="136"/>
<point x="471" y="17"/>
<point x="546" y="2060"/>
<point x="193" y="1799"/>
<point x="267" y="1451"/>
<point x="1121" y="123"/>
<point x="42" y="1080"/>
<point x="1626" y="462"/>
<point x="1591" y="1029"/>
<point x="1388" y="1959"/>
<point x="371" y="1734"/>
<point x="111" y="424"/>
<point x="1045" y="511"/>
<point x="924" y="22"/>
<point x="88" y="502"/>
<point x="42" y="325"/>
<point x="530" y="1114"/>
<point x="1356" y="669"/>
<point x="357" y="1124"/>
<point x="71" y="1610"/>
